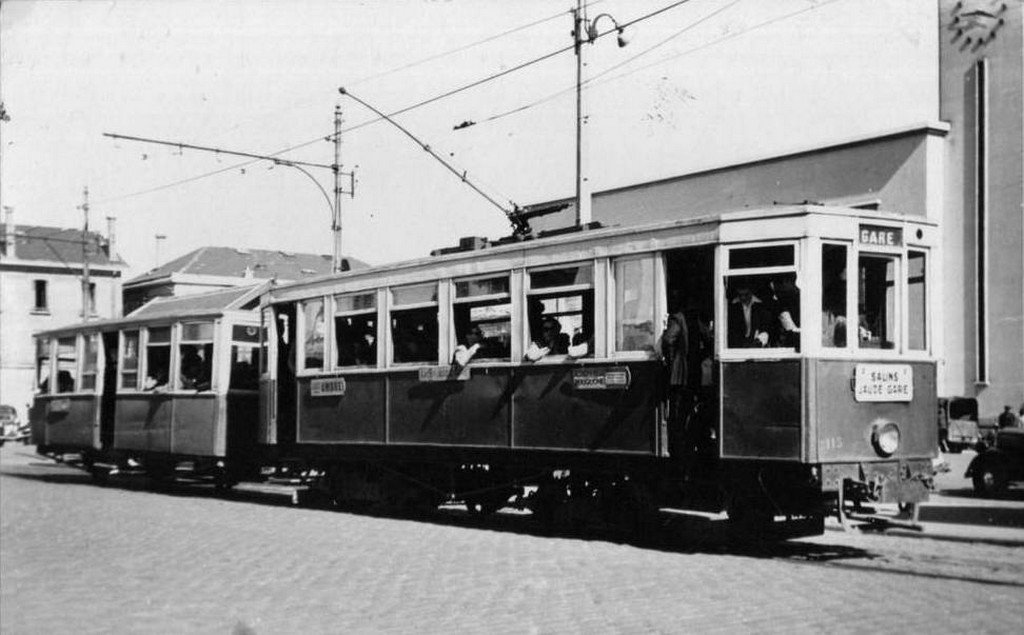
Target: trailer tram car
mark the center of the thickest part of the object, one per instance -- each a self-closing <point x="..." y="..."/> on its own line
<point x="170" y="388"/>
<point x="533" y="373"/>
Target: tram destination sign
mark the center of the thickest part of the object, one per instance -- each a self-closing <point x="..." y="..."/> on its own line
<point x="327" y="387"/>
<point x="883" y="382"/>
<point x="880" y="236"/>
<point x="617" y="378"/>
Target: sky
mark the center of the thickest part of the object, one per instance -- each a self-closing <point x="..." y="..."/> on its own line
<point x="703" y="83"/>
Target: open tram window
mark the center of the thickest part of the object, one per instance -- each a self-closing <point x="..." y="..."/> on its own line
<point x="355" y="328"/>
<point x="195" y="356"/>
<point x="130" y="359"/>
<point x="833" y="296"/>
<point x="245" y="357"/>
<point x="763" y="298"/>
<point x="482" y="315"/>
<point x="313" y="330"/>
<point x="917" y="301"/>
<point x="43" y="365"/>
<point x="414" y="325"/>
<point x="158" y="358"/>
<point x="560" y="312"/>
<point x="67" y="364"/>
<point x="90" y="358"/>
<point x="876" y="275"/>
<point x="634" y="304"/>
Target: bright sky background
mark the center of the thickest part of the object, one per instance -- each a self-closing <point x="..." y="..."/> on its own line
<point x="703" y="84"/>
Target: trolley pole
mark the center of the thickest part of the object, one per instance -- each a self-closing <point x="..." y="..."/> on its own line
<point x="336" y="211"/>
<point x="86" y="308"/>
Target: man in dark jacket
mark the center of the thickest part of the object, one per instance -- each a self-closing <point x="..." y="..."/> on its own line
<point x="750" y="321"/>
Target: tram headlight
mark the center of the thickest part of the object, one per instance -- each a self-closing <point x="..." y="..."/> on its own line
<point x="886" y="438"/>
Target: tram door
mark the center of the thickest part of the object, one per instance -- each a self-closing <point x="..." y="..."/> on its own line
<point x="108" y="400"/>
<point x="693" y="386"/>
<point x="286" y="386"/>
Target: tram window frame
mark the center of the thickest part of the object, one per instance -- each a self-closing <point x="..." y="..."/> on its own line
<point x="369" y="317"/>
<point x="586" y="290"/>
<point x="830" y="328"/>
<point x="397" y="310"/>
<point x="917" y="316"/>
<point x="737" y="271"/>
<point x="618" y="292"/>
<point x="241" y="339"/>
<point x="68" y="381"/>
<point x="152" y="347"/>
<point x="266" y="322"/>
<point x="135" y="371"/>
<point x="206" y="380"/>
<point x="43" y="384"/>
<point x="464" y="300"/>
<point x="90" y="371"/>
<point x="302" y="340"/>
<point x="893" y="346"/>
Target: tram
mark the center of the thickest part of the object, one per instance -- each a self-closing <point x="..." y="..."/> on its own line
<point x="173" y="384"/>
<point x="540" y="372"/>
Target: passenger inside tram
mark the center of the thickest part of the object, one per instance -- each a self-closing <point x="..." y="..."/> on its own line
<point x="764" y="311"/>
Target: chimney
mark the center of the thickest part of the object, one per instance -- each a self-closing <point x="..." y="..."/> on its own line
<point x="9" y="240"/>
<point x="111" y="238"/>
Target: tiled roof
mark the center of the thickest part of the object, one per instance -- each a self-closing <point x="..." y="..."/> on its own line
<point x="56" y="244"/>
<point x="213" y="301"/>
<point x="233" y="262"/>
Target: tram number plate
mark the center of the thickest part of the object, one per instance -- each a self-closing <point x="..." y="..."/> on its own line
<point x="331" y="386"/>
<point x="60" y="405"/>
<point x="601" y="378"/>
<point x="444" y="373"/>
<point x="883" y="382"/>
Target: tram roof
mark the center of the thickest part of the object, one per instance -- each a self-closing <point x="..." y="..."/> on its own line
<point x="199" y="305"/>
<point x="569" y="237"/>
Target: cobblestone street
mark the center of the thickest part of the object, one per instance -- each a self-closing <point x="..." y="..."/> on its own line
<point x="76" y="556"/>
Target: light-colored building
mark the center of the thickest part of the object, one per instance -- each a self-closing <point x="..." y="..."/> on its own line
<point x="41" y="287"/>
<point x="962" y="168"/>
<point x="212" y="268"/>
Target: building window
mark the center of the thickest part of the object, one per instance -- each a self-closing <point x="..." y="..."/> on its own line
<point x="560" y="311"/>
<point x="42" y="299"/>
<point x="355" y="328"/>
<point x="833" y="296"/>
<point x="67" y="364"/>
<point x="130" y="360"/>
<point x="313" y="334"/>
<point x="917" y="298"/>
<point x="876" y="306"/>
<point x="92" y="298"/>
<point x="90" y="357"/>
<point x="158" y="358"/>
<point x="482" y="317"/>
<point x="414" y="323"/>
<point x="195" y="355"/>
<point x="763" y="299"/>
<point x="634" y="304"/>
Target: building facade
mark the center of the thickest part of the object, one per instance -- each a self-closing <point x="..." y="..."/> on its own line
<point x="41" y="287"/>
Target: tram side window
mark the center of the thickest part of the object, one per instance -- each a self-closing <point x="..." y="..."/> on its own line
<point x="90" y="357"/>
<point x="313" y="344"/>
<point x="43" y="365"/>
<point x="634" y="304"/>
<point x="833" y="296"/>
<point x="245" y="358"/>
<point x="158" y="358"/>
<point x="763" y="309"/>
<point x="482" y="314"/>
<point x="130" y="359"/>
<point x="355" y="329"/>
<point x="877" y="301"/>
<point x="67" y="364"/>
<point x="195" y="355"/>
<point x="917" y="301"/>
<point x="414" y="323"/>
<point x="560" y="312"/>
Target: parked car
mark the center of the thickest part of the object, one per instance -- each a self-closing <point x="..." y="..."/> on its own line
<point x="998" y="464"/>
<point x="11" y="427"/>
<point x="959" y="417"/>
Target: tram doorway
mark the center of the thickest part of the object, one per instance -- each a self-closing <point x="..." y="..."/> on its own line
<point x="286" y="386"/>
<point x="692" y="381"/>
<point x="108" y="400"/>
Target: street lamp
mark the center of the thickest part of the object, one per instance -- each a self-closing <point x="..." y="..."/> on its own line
<point x="585" y="32"/>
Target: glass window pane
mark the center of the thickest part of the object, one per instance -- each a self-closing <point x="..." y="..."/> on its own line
<point x="568" y="276"/>
<point x="634" y="305"/>
<point x="414" y="334"/>
<point x="195" y="364"/>
<point x="313" y="321"/>
<point x="245" y="333"/>
<point x="876" y="307"/>
<point x="751" y="257"/>
<point x="350" y="302"/>
<point x="356" y="338"/>
<point x="245" y="364"/>
<point x="763" y="311"/>
<point x="196" y="331"/>
<point x="43" y="365"/>
<point x="482" y="286"/>
<point x="130" y="359"/>
<point x="91" y="353"/>
<point x="833" y="296"/>
<point x="485" y="325"/>
<point x="67" y="364"/>
<point x="158" y="359"/>
<point x="414" y="294"/>
<point x="562" y="320"/>
<point x="160" y="335"/>
<point x="917" y="298"/>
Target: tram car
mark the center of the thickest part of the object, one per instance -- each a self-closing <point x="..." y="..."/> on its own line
<point x="776" y="364"/>
<point x="173" y="384"/>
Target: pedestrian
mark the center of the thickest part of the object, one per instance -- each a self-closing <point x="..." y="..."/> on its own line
<point x="1008" y="419"/>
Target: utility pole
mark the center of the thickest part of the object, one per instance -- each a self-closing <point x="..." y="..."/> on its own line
<point x="583" y="211"/>
<point x="87" y="308"/>
<point x="336" y="211"/>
